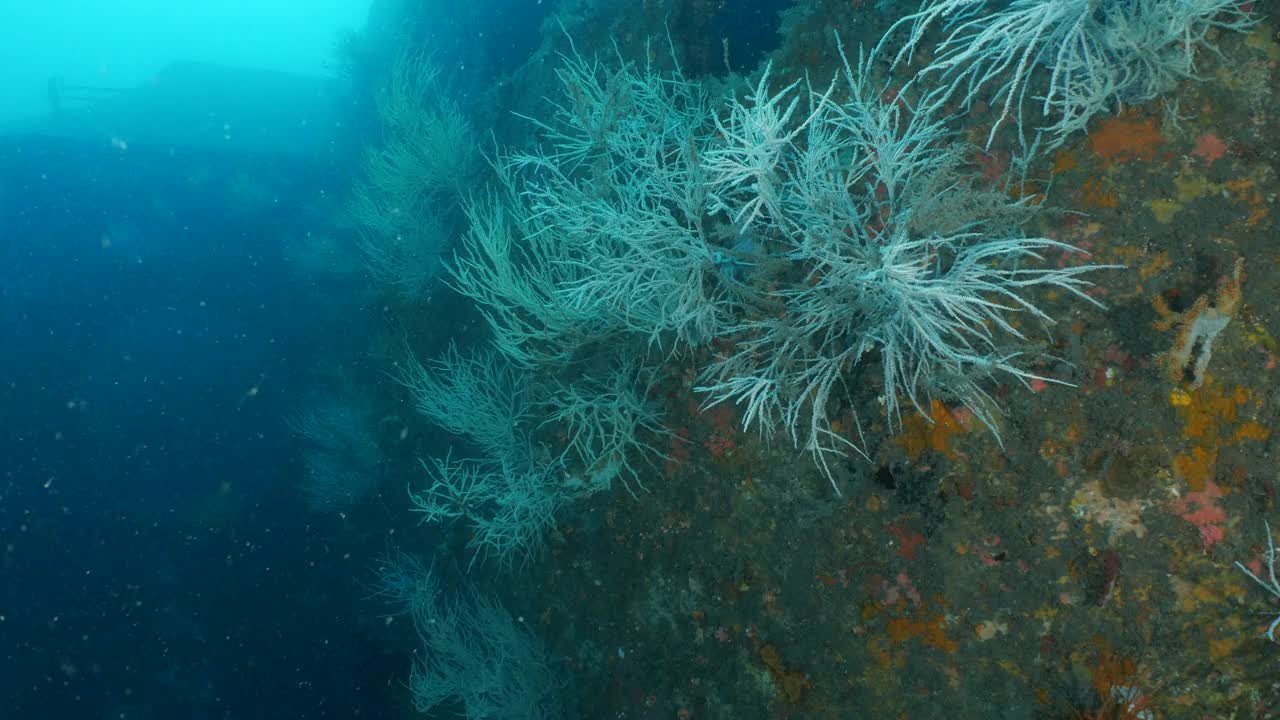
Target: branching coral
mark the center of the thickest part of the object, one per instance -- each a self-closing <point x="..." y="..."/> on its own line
<point x="606" y="423"/>
<point x="509" y="503"/>
<point x="885" y="271"/>
<point x="507" y="495"/>
<point x="476" y="654"/>
<point x="479" y="396"/>
<point x="512" y="265"/>
<point x="510" y="492"/>
<point x="850" y="229"/>
<point x="341" y="458"/>
<point x="1270" y="583"/>
<point x="426" y="156"/>
<point x="1097" y="54"/>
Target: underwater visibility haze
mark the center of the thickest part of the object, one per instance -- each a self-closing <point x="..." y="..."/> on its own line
<point x="639" y="359"/>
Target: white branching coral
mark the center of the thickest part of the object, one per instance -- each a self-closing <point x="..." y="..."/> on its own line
<point x="509" y="488"/>
<point x="1269" y="583"/>
<point x="812" y="232"/>
<point x="427" y="154"/>
<point x="509" y="502"/>
<point x="511" y="264"/>
<point x="478" y="396"/>
<point x="1093" y="54"/>
<point x="607" y="423"/>
<point x="888" y="269"/>
<point x="625" y="222"/>
<point x="505" y="493"/>
<point x="474" y="654"/>
<point x="744" y="171"/>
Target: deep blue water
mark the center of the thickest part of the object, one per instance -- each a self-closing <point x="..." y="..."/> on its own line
<point x="156" y="560"/>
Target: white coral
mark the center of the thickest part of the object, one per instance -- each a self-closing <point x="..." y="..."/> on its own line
<point x="1271" y="584"/>
<point x="1095" y="53"/>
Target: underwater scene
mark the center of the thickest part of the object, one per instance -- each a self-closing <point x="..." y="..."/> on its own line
<point x="640" y="359"/>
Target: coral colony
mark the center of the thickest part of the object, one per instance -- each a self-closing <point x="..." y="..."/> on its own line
<point x="791" y="243"/>
<point x="805" y="234"/>
<point x="1270" y="584"/>
<point x="1099" y="55"/>
<point x="864" y="239"/>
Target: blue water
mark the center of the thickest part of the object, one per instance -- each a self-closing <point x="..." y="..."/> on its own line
<point x="156" y="557"/>
<point x="156" y="560"/>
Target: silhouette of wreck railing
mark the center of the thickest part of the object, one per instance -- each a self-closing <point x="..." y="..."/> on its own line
<point x="63" y="96"/>
<point x="203" y="105"/>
